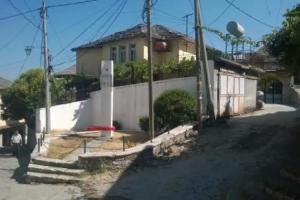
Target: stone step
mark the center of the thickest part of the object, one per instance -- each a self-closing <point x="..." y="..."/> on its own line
<point x="54" y="163"/>
<point x="51" y="178"/>
<point x="54" y="170"/>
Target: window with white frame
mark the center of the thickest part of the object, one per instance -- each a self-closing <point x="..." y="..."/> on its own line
<point x="132" y="52"/>
<point x="122" y="54"/>
<point x="113" y="54"/>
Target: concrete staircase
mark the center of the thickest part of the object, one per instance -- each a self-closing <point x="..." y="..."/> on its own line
<point x="45" y="170"/>
<point x="283" y="184"/>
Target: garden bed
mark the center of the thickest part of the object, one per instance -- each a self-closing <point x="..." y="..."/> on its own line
<point x="64" y="145"/>
<point x="131" y="139"/>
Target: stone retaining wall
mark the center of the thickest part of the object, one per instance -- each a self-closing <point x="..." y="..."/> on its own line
<point x="141" y="154"/>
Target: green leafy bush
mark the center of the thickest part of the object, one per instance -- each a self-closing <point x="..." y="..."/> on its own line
<point x="117" y="125"/>
<point x="172" y="108"/>
<point x="144" y="123"/>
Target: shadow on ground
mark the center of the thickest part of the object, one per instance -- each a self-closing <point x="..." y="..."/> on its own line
<point x="23" y="160"/>
<point x="226" y="162"/>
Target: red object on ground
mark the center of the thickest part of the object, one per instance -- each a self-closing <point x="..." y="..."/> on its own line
<point x="101" y="128"/>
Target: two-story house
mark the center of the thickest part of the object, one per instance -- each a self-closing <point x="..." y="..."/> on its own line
<point x="131" y="45"/>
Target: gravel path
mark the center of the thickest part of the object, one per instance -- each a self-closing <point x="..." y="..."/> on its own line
<point x="225" y="162"/>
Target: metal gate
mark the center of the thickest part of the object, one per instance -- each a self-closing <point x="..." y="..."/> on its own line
<point x="273" y="91"/>
<point x="231" y="95"/>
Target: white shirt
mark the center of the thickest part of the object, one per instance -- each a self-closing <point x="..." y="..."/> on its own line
<point x="16" y="138"/>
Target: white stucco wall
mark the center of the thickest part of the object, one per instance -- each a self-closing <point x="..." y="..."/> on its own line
<point x="72" y="116"/>
<point x="131" y="101"/>
<point x="130" y="104"/>
<point x="2" y="122"/>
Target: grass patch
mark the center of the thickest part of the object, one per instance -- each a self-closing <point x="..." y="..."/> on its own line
<point x="132" y="138"/>
<point x="61" y="147"/>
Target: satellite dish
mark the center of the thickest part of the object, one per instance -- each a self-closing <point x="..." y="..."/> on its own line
<point x="235" y="29"/>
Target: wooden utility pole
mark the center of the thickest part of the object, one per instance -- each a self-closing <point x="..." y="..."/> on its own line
<point x="46" y="67"/>
<point x="150" y="69"/>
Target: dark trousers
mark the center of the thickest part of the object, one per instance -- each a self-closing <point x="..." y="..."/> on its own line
<point x="16" y="149"/>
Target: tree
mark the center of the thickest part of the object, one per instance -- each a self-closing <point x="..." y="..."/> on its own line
<point x="25" y="95"/>
<point x="285" y="42"/>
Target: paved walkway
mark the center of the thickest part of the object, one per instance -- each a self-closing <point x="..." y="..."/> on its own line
<point x="12" y="184"/>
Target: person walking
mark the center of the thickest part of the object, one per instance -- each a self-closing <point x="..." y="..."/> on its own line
<point x="16" y="141"/>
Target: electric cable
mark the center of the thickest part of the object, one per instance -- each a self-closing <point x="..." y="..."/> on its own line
<point x="249" y="15"/>
<point x="15" y="36"/>
<point x="32" y="43"/>
<point x="113" y="21"/>
<point x="221" y="14"/>
<point x="85" y="30"/>
<point x="22" y="13"/>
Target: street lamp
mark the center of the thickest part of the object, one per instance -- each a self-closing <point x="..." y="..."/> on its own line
<point x="28" y="50"/>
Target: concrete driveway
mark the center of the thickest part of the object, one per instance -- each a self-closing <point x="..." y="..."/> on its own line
<point x="12" y="188"/>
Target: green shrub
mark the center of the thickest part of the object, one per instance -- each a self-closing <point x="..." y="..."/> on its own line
<point x="117" y="125"/>
<point x="144" y="123"/>
<point x="173" y="108"/>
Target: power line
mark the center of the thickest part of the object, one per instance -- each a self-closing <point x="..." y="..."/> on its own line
<point x="55" y="33"/>
<point x="122" y="6"/>
<point x="22" y="13"/>
<point x="29" y="8"/>
<point x="116" y="17"/>
<point x="170" y="15"/>
<point x="14" y="37"/>
<point x="85" y="30"/>
<point x="80" y="21"/>
<point x="19" y="14"/>
<point x="118" y="12"/>
<point x="249" y="15"/>
<point x="70" y="4"/>
<point x="222" y="13"/>
<point x="32" y="43"/>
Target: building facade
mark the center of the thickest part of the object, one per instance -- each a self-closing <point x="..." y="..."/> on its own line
<point x="131" y="45"/>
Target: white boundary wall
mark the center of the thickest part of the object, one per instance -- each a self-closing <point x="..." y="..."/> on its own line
<point x="71" y="116"/>
<point x="130" y="104"/>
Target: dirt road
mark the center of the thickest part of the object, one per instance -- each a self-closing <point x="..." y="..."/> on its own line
<point x="225" y="162"/>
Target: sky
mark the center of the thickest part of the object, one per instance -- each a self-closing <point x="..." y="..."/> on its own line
<point x="71" y="26"/>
